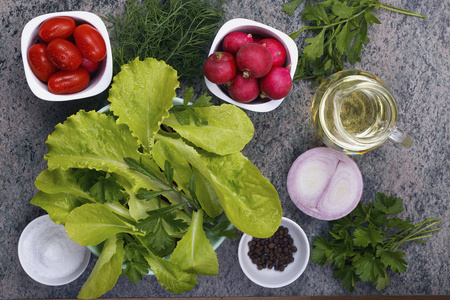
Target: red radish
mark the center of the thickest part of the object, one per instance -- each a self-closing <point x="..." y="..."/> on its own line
<point x="276" y="49"/>
<point x="325" y="184"/>
<point x="220" y="67"/>
<point x="256" y="38"/>
<point x="254" y="60"/>
<point x="277" y="84"/>
<point x="90" y="66"/>
<point x="243" y="89"/>
<point x="235" y="40"/>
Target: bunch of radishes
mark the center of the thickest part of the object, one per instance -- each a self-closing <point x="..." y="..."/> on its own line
<point x="250" y="67"/>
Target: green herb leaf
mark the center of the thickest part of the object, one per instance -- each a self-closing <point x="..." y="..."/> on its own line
<point x="400" y="223"/>
<point x="135" y="264"/>
<point x="369" y="268"/>
<point x="343" y="39"/>
<point x="315" y="48"/>
<point x="321" y="251"/>
<point x="363" y="245"/>
<point x="106" y="190"/>
<point x="341" y="10"/>
<point x="335" y="24"/>
<point x="290" y="7"/>
<point x="156" y="227"/>
<point x="189" y="109"/>
<point x="388" y="205"/>
<point x="367" y="236"/>
<point x="347" y="276"/>
<point x="394" y="259"/>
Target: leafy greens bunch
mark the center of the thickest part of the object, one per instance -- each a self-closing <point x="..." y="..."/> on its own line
<point x="175" y="31"/>
<point x="339" y="29"/>
<point x="137" y="180"/>
<point x="363" y="245"/>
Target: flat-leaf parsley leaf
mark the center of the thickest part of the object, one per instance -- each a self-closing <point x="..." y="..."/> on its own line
<point x="361" y="248"/>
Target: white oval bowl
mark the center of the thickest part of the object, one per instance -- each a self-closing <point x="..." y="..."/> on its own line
<point x="103" y="75"/>
<point x="262" y="30"/>
<point x="270" y="278"/>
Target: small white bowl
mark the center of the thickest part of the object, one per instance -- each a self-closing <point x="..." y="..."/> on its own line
<point x="256" y="28"/>
<point x="270" y="278"/>
<point x="48" y="255"/>
<point x="103" y="75"/>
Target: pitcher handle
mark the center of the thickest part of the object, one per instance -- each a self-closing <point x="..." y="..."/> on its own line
<point x="401" y="138"/>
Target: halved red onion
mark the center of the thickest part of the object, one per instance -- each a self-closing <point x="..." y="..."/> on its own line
<point x="325" y="184"/>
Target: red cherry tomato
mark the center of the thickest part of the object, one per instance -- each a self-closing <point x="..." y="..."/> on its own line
<point x="68" y="82"/>
<point x="39" y="63"/>
<point x="64" y="55"/>
<point x="90" y="66"/>
<point x="57" y="28"/>
<point x="90" y="42"/>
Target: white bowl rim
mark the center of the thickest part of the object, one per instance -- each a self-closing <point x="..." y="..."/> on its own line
<point x="39" y="88"/>
<point x="242" y="24"/>
<point x="292" y="271"/>
<point x="36" y="277"/>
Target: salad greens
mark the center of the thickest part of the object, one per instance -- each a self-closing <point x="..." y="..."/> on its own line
<point x="363" y="245"/>
<point x="144" y="184"/>
<point x="339" y="29"/>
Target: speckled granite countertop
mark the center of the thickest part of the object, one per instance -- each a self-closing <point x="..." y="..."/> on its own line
<point x="411" y="55"/>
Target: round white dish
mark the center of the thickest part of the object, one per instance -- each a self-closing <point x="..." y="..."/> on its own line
<point x="270" y="278"/>
<point x="48" y="255"/>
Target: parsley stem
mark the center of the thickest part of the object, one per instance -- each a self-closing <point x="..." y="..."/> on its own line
<point x="336" y="23"/>
<point x="417" y="230"/>
<point x="400" y="10"/>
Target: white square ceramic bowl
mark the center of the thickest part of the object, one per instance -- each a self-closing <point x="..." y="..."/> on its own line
<point x="256" y="28"/>
<point x="103" y="75"/>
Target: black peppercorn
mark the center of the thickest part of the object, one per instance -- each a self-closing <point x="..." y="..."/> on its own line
<point x="274" y="252"/>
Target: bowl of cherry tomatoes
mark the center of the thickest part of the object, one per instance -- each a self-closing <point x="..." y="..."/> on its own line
<point x="66" y="56"/>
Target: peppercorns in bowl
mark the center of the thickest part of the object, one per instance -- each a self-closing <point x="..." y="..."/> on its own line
<point x="278" y="260"/>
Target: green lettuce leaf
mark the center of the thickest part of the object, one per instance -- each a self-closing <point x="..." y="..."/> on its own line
<point x="106" y="271"/>
<point x="60" y="181"/>
<point x="98" y="142"/>
<point x="141" y="96"/>
<point x="91" y="140"/>
<point x="206" y="195"/>
<point x="182" y="171"/>
<point x="91" y="224"/>
<point x="194" y="253"/>
<point x="249" y="200"/>
<point x="228" y="131"/>
<point x="170" y="275"/>
<point x="58" y="206"/>
<point x="182" y="176"/>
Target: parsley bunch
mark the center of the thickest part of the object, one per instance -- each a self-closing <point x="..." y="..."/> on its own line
<point x="364" y="244"/>
<point x="340" y="30"/>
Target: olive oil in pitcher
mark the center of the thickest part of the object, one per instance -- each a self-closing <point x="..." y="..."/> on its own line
<point x="354" y="112"/>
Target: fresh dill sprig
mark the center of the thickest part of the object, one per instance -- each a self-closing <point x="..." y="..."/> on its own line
<point x="175" y="31"/>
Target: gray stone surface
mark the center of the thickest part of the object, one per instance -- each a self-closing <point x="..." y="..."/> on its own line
<point x="411" y="55"/>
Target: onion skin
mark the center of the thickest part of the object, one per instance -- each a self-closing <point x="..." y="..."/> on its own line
<point x="325" y="184"/>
